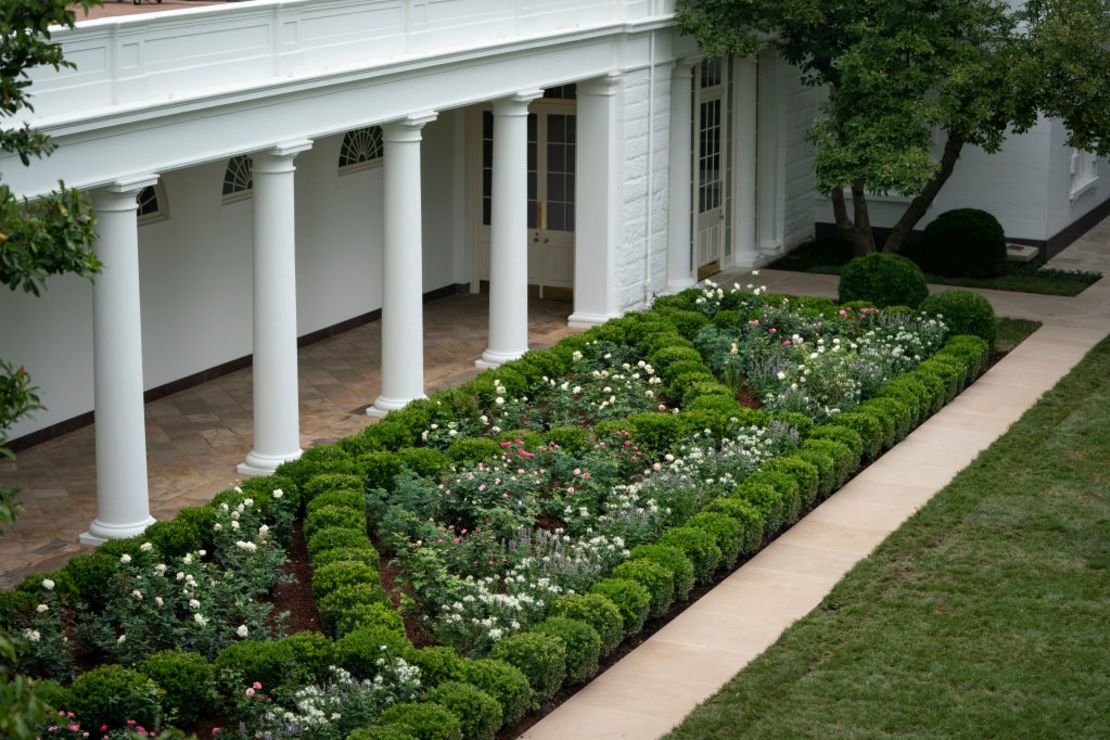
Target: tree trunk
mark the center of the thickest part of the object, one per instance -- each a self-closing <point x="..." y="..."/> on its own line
<point x="917" y="207"/>
<point x="854" y="230"/>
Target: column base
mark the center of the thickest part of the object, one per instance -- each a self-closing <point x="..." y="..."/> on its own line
<point x="383" y="405"/>
<point x="259" y="464"/>
<point x="750" y="262"/>
<point x="681" y="284"/>
<point x="100" y="532"/>
<point x="490" y="359"/>
<point x="585" y="320"/>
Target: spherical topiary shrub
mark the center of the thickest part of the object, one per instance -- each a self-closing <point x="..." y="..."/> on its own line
<point x="186" y="679"/>
<point x="348" y="499"/>
<point x="478" y="713"/>
<point x="240" y="664"/>
<point x="505" y="683"/>
<point x="964" y="312"/>
<point x="380" y="732"/>
<point x="437" y="664"/>
<point x="360" y="650"/>
<point x="423" y="720"/>
<point x="343" y="599"/>
<point x="111" y="695"/>
<point x="336" y="537"/>
<point x="540" y="657"/>
<point x="883" y="279"/>
<point x="328" y="578"/>
<point x="366" y="555"/>
<point x="632" y="599"/>
<point x="699" y="546"/>
<point x="964" y="242"/>
<point x="674" y="560"/>
<point x="325" y="517"/>
<point x="311" y="655"/>
<point x="376" y="614"/>
<point x="596" y="611"/>
<point x="654" y="577"/>
<point x="582" y="643"/>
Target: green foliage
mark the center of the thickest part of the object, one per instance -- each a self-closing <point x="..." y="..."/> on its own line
<point x="869" y="429"/>
<point x="188" y="682"/>
<point x="663" y="358"/>
<point x="340" y="602"/>
<point x="727" y="532"/>
<point x="438" y="664"/>
<point x="341" y="517"/>
<point x="751" y="520"/>
<point x="472" y="450"/>
<point x="964" y="242"/>
<point x="965" y="313"/>
<point x="424" y="461"/>
<point x="655" y="432"/>
<point x="654" y="577"/>
<point x="541" y="657"/>
<point x="596" y="610"/>
<point x="698" y="545"/>
<point x="344" y="499"/>
<point x="366" y="555"/>
<point x="844" y="459"/>
<point x="806" y="475"/>
<point x="478" y="713"/>
<point x="503" y="682"/>
<point x="92" y="573"/>
<point x="571" y="439"/>
<point x="884" y="279"/>
<point x="424" y="720"/>
<point x="631" y="599"/>
<point x="582" y="642"/>
<point x="672" y="559"/>
<point x="310" y="654"/>
<point x="373" y="614"/>
<point x="379" y="732"/>
<point x="242" y="663"/>
<point x="380" y="468"/>
<point x="323" y="483"/>
<point x="333" y="538"/>
<point x="359" y="650"/>
<point x="111" y="694"/>
<point x="174" y="537"/>
<point x="826" y="467"/>
<point x="328" y="578"/>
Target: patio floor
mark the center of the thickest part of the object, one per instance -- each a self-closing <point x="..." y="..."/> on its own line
<point x="197" y="436"/>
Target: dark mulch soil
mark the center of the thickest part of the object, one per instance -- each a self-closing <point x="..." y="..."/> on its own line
<point x="747" y="398"/>
<point x="294" y="595"/>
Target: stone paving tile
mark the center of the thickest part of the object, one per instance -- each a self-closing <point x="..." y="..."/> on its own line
<point x="196" y="437"/>
<point x="646" y="693"/>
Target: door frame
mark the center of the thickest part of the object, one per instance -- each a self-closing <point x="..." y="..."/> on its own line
<point x="717" y="91"/>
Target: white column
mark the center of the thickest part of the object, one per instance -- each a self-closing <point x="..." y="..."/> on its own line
<point x="402" y="267"/>
<point x="770" y="176"/>
<point x="508" y="251"/>
<point x="122" y="501"/>
<point x="745" y="156"/>
<point x="597" y="209"/>
<point x="277" y="429"/>
<point x="680" y="270"/>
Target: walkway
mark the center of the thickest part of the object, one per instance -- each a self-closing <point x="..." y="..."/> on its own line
<point x="197" y="436"/>
<point x="656" y="685"/>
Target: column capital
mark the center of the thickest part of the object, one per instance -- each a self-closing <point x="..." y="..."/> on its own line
<point x="119" y="195"/>
<point x="516" y="104"/>
<point x="606" y="85"/>
<point x="407" y="128"/>
<point x="684" y="66"/>
<point x="279" y="158"/>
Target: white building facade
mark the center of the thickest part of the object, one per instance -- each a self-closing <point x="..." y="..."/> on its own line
<point x="271" y="171"/>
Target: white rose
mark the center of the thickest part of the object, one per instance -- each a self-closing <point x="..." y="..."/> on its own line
<point x="121" y="639"/>
<point x="278" y="493"/>
<point x="194" y="604"/>
<point x="242" y="631"/>
<point x="146" y="547"/>
<point x="48" y="584"/>
<point x="125" y="558"/>
<point x="42" y="608"/>
<point x="137" y="595"/>
<point x="200" y="619"/>
<point x="159" y="601"/>
<point x="217" y="527"/>
<point x="32" y="635"/>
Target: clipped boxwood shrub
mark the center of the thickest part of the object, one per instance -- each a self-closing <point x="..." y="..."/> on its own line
<point x="333" y="516"/>
<point x="722" y="405"/>
<point x="826" y="467"/>
<point x="503" y="682"/>
<point x="964" y="312"/>
<point x="884" y="279"/>
<point x="374" y="614"/>
<point x="311" y="654"/>
<point x="663" y="358"/>
<point x="654" y="577"/>
<point x="680" y="368"/>
<point x="438" y="664"/>
<point x="674" y="560"/>
<point x="111" y="695"/>
<point x="242" y="663"/>
<point x="186" y="679"/>
<point x="54" y="695"/>
<point x="332" y="538"/>
<point x="965" y="242"/>
<point x="328" y="578"/>
<point x="92" y="574"/>
<point x="472" y="450"/>
<point x="658" y="432"/>
<point x="423" y="720"/>
<point x="936" y="387"/>
<point x="572" y="439"/>
<point x="359" y="650"/>
<point x="676" y="388"/>
<point x="582" y="643"/>
<point x="787" y="488"/>
<point x="751" y="520"/>
<point x="844" y="435"/>
<point x="334" y="605"/>
<point x="727" y="532"/>
<point x="478" y="713"/>
<point x="949" y="373"/>
<point x="380" y="732"/>
<point x="702" y="389"/>
<point x="898" y="413"/>
<point x="805" y="474"/>
<point x="632" y="599"/>
<point x="845" y="461"/>
<point x="597" y="611"/>
<point x="867" y="426"/>
<point x="343" y="499"/>
<point x="766" y="500"/>
<point x="910" y="393"/>
<point x="326" y="482"/>
<point x="424" y="461"/>
<point x="175" y="537"/>
<point x="366" y="555"/>
<point x="699" y="546"/>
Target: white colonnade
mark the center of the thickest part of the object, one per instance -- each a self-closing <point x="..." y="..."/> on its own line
<point x="680" y="263"/>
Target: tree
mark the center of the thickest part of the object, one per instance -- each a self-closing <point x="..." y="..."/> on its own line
<point x="48" y="236"/>
<point x="899" y="72"/>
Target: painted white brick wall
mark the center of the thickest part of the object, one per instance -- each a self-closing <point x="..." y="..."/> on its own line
<point x="800" y="104"/>
<point x="634" y="189"/>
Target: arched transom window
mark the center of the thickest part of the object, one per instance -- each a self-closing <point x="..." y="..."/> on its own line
<point x="238" y="178"/>
<point x="152" y="204"/>
<point x="361" y="148"/>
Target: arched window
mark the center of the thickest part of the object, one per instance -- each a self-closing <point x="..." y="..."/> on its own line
<point x="238" y="178"/>
<point x="361" y="148"/>
<point x="152" y="204"/>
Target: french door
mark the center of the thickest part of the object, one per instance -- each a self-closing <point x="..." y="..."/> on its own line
<point x="552" y="139"/>
<point x="710" y="83"/>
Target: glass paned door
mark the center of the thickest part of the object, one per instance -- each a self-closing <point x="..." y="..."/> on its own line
<point x="709" y="185"/>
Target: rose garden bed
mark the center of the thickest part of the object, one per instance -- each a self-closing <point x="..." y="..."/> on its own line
<point x="478" y="553"/>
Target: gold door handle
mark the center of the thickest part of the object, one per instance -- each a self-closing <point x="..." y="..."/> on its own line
<point x="542" y="206"/>
<point x="546" y="240"/>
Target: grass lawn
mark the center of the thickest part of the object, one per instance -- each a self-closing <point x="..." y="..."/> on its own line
<point x="1012" y="332"/>
<point x="829" y="257"/>
<point x="987" y="614"/>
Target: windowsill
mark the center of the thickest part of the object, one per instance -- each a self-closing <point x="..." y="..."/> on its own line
<point x="1087" y="185"/>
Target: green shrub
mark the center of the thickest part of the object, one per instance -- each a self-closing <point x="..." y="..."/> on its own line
<point x="767" y="500"/>
<point x="677" y="387"/>
<point x="597" y="611"/>
<point x="472" y="450"/>
<point x="571" y="439"/>
<point x="826" y="469"/>
<point x="380" y="732"/>
<point x="334" y="516"/>
<point x="663" y="358"/>
<point x="242" y="663"/>
<point x="111" y="695"/>
<point x="910" y="393"/>
<point x="186" y="679"/>
<point x="311" y="654"/>
<point x="965" y="242"/>
<point x="374" y="614"/>
<point x="320" y="460"/>
<point x="935" y="386"/>
<point x="964" y="312"/>
<point x="424" y="461"/>
<point x="328" y="578"/>
<point x="716" y="404"/>
<point x="53" y="695"/>
<point x="786" y="486"/>
<point x="796" y="419"/>
<point x="478" y="713"/>
<point x="844" y="460"/>
<point x="703" y="389"/>
<point x="750" y="519"/>
<point x="503" y="682"/>
<point x="657" y="432"/>
<point x="699" y="546"/>
<point x="682" y="367"/>
<point x="344" y="599"/>
<point x="173" y="538"/>
<point x="333" y="538"/>
<point x="727" y="532"/>
<point x="438" y="664"/>
<point x="424" y="720"/>
<point x="868" y="427"/>
<point x="632" y="600"/>
<point x="359" y="650"/>
<point x="658" y="581"/>
<point x="949" y="374"/>
<point x="805" y="474"/>
<point x="582" y="643"/>
<point x="542" y="658"/>
<point x="344" y="499"/>
<point x="366" y="555"/>
<point x="899" y="413"/>
<point x="326" y="482"/>
<point x="93" y="575"/>
<point x="844" y="435"/>
<point x="530" y="440"/>
<point x="687" y="323"/>
<point x="884" y="279"/>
